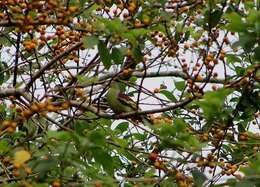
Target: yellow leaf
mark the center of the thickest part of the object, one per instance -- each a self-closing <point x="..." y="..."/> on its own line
<point x="20" y="157"/>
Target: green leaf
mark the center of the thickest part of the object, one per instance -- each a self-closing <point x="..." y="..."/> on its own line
<point x="199" y="177"/>
<point x="232" y="58"/>
<point x="169" y="95"/>
<point x="104" y="55"/>
<point x="180" y="85"/>
<point x="4" y="146"/>
<point x="97" y="137"/>
<point x="197" y="35"/>
<point x="122" y="126"/>
<point x="87" y="80"/>
<point x="186" y="36"/>
<point x="236" y="24"/>
<point x="104" y="159"/>
<point x="257" y="53"/>
<point x="245" y="183"/>
<point x="118" y="55"/>
<point x="247" y="41"/>
<point x="253" y="16"/>
<point x="90" y="41"/>
<point x="257" y="29"/>
<point x="138" y="55"/>
<point x="4" y="75"/>
<point x="133" y="35"/>
<point x="167" y="130"/>
<point x="240" y="71"/>
<point x="162" y="1"/>
<point x="5" y="41"/>
<point x="139" y="136"/>
<point x="59" y="135"/>
<point x="44" y="166"/>
<point x="212" y="103"/>
<point x="215" y="18"/>
<point x="81" y="127"/>
<point x="115" y="26"/>
<point x="82" y="2"/>
<point x="179" y="125"/>
<point x="122" y="142"/>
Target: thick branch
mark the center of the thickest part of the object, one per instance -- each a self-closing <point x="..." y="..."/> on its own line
<point x="6" y="92"/>
<point x="129" y="114"/>
<point x="177" y="74"/>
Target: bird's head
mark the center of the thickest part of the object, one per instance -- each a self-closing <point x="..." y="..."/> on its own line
<point x="115" y="85"/>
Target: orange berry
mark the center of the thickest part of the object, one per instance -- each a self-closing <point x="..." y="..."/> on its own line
<point x="137" y="23"/>
<point x="189" y="81"/>
<point x="214" y="87"/>
<point x="125" y="72"/>
<point x="156" y="90"/>
<point x="129" y="53"/>
<point x="153" y="156"/>
<point x="13" y="124"/>
<point x="157" y="164"/>
<point x="16" y="173"/>
<point x="195" y="44"/>
<point x="132" y="7"/>
<point x="226" y="40"/>
<point x="98" y="184"/>
<point x="28" y="170"/>
<point x="65" y="105"/>
<point x="250" y="71"/>
<point x="182" y="183"/>
<point x="221" y="56"/>
<point x="72" y="9"/>
<point x="2" y="15"/>
<point x="79" y="92"/>
<point x="51" y="108"/>
<point x="199" y="78"/>
<point x="42" y="105"/>
<point x="18" y="109"/>
<point x="146" y="21"/>
<point x="6" y="123"/>
<point x="10" y="130"/>
<point x="17" y="165"/>
<point x="56" y="184"/>
<point x="35" y="107"/>
<point x="209" y="57"/>
<point x="11" y="97"/>
<point x="186" y="46"/>
<point x="184" y="9"/>
<point x="27" y="113"/>
<point x="243" y="138"/>
<point x="179" y="176"/>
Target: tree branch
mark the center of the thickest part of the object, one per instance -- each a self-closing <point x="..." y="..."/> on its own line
<point x="128" y="114"/>
<point x="48" y="65"/>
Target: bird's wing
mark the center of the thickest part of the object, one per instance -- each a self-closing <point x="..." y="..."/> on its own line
<point x="126" y="100"/>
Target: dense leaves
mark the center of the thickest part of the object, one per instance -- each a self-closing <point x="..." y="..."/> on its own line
<point x="192" y="67"/>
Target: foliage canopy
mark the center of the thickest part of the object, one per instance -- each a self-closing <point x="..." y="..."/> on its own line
<point x="193" y="66"/>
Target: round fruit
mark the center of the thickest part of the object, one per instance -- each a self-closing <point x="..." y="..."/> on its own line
<point x="153" y="156"/>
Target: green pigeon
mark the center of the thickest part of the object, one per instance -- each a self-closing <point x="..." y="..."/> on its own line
<point x="120" y="103"/>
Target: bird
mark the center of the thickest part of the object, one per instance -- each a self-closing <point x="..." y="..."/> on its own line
<point x="121" y="103"/>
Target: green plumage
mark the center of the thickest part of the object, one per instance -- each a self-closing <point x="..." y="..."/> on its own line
<point x="122" y="103"/>
<point x="118" y="101"/>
